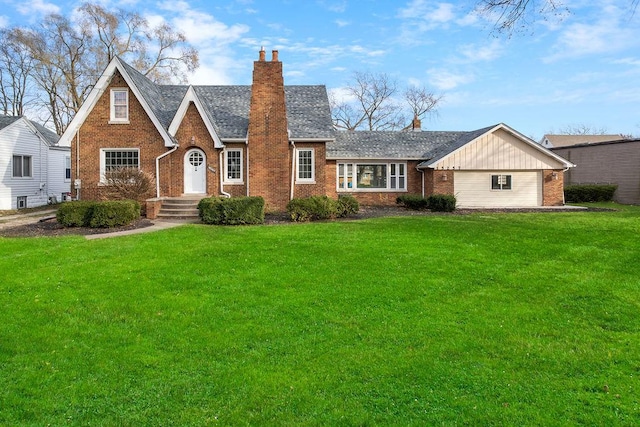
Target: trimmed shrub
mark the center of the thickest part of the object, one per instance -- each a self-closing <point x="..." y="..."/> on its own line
<point x="231" y="211"/>
<point x="75" y="214"/>
<point x="441" y="202"/>
<point x="346" y="205"/>
<point x="589" y="193"/>
<point x="412" y="201"/>
<point x="114" y="213"/>
<point x="312" y="209"/>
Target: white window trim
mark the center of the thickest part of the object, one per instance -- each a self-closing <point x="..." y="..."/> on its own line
<point x="67" y="159"/>
<point x="103" y="159"/>
<point x="22" y="157"/>
<point x="500" y="185"/>
<point x="311" y="180"/>
<point x="112" y="110"/>
<point x="355" y="188"/>
<point x="228" y="180"/>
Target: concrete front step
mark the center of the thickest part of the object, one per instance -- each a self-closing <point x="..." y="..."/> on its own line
<point x="183" y="207"/>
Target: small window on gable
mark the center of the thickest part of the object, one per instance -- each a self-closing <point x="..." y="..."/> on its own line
<point x="501" y="182"/>
<point x="119" y="106"/>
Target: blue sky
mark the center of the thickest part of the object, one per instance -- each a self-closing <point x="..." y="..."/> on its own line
<point x="581" y="70"/>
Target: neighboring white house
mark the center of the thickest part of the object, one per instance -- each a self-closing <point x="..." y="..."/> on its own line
<point x="34" y="170"/>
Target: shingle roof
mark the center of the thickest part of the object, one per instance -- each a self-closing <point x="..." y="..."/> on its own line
<point x="423" y="145"/>
<point x="566" y="140"/>
<point x="50" y="136"/>
<point x="227" y="107"/>
<point x="7" y="120"/>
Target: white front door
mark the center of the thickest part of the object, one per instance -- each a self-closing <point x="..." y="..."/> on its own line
<point x="195" y="172"/>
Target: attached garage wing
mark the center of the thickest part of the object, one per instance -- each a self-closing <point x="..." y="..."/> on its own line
<point x="494" y="189"/>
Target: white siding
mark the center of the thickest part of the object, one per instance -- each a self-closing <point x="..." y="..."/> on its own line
<point x="499" y="150"/>
<point x="473" y="189"/>
<point x="57" y="182"/>
<point x="19" y="139"/>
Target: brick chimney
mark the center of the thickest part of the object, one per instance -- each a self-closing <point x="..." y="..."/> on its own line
<point x="416" y="124"/>
<point x="269" y="151"/>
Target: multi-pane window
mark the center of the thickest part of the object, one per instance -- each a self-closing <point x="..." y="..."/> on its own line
<point x="372" y="176"/>
<point x="121" y="159"/>
<point x="67" y="168"/>
<point x="119" y="105"/>
<point x="234" y="165"/>
<point x="501" y="182"/>
<point x="305" y="165"/>
<point x="22" y="166"/>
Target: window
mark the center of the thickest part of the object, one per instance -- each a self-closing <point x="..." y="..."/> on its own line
<point x="21" y="202"/>
<point x="305" y="166"/>
<point x="233" y="158"/>
<point x="67" y="168"/>
<point x="372" y="176"/>
<point x="22" y="166"/>
<point x="501" y="182"/>
<point x="119" y="106"/>
<point x="112" y="158"/>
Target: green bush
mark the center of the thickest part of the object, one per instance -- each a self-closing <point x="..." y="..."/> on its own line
<point x="346" y="205"/>
<point x="412" y="201"/>
<point x="441" y="202"/>
<point x="312" y="208"/>
<point x="75" y="214"/>
<point x="114" y="213"/>
<point x="87" y="213"/>
<point x="589" y="193"/>
<point x="231" y="211"/>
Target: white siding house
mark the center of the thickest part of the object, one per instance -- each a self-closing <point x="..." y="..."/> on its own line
<point x="33" y="168"/>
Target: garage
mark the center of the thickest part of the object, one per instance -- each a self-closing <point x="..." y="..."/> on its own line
<point x="492" y="189"/>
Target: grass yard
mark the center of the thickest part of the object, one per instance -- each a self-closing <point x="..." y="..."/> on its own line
<point x="483" y="319"/>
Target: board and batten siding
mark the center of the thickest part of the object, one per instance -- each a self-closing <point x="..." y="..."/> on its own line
<point x="19" y="139"/>
<point x="498" y="150"/>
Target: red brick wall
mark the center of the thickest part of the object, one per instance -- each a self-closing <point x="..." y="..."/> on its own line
<point x="552" y="187"/>
<point x="96" y="132"/>
<point x="320" y="172"/>
<point x="269" y="151"/>
<point x="441" y="182"/>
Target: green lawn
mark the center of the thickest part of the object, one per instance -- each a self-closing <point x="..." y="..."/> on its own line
<point x="483" y="319"/>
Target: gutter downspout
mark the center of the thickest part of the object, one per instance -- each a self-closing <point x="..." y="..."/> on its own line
<point x="224" y="193"/>
<point x="246" y="143"/>
<point x="293" y="170"/>
<point x="175" y="147"/>
<point x="77" y="165"/>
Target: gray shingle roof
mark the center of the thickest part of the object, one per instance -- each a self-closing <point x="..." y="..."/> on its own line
<point x="423" y="145"/>
<point x="227" y="107"/>
<point x="50" y="136"/>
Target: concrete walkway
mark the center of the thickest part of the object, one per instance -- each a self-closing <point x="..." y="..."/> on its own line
<point x="158" y="224"/>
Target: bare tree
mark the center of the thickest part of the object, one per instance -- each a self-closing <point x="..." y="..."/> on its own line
<point x="421" y="101"/>
<point x="518" y="15"/>
<point x="67" y="56"/>
<point x="371" y="104"/>
<point x="16" y="65"/>
<point x="580" y="129"/>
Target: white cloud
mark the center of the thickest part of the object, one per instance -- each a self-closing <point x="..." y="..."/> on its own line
<point x="37" y="7"/>
<point x="428" y="11"/>
<point x="4" y="21"/>
<point x="446" y="80"/>
<point x="609" y="32"/>
<point x="479" y="53"/>
<point x="342" y="23"/>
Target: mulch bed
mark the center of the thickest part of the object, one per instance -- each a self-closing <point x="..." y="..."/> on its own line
<point x="51" y="227"/>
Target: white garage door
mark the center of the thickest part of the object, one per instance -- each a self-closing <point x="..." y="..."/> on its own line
<point x="498" y="189"/>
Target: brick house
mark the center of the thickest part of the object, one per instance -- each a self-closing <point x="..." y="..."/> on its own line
<point x="275" y="141"/>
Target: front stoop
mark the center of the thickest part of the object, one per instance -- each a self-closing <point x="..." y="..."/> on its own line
<point x="179" y="207"/>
